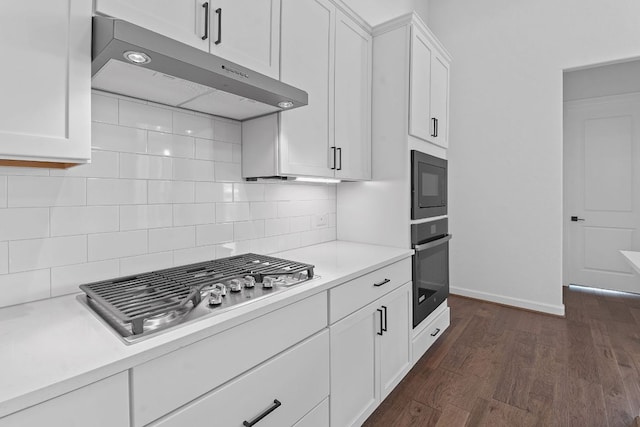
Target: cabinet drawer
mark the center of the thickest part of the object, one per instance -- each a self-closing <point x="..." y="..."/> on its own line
<point x="290" y="385"/>
<point x="318" y="417"/>
<point x="164" y="384"/>
<point x="429" y="334"/>
<point x="351" y="296"/>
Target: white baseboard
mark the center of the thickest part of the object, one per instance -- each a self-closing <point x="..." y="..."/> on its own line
<point x="557" y="310"/>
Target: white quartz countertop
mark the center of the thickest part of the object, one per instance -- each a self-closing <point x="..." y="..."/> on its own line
<point x="51" y="347"/>
<point x="632" y="258"/>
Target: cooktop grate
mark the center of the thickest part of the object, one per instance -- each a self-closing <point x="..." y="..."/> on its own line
<point x="133" y="299"/>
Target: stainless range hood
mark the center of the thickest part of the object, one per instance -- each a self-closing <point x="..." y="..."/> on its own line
<point x="180" y="75"/>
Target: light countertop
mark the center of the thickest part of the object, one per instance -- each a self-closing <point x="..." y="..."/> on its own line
<point x="633" y="258"/>
<point x="54" y="346"/>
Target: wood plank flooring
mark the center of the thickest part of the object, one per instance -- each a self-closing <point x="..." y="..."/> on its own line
<point x="500" y="366"/>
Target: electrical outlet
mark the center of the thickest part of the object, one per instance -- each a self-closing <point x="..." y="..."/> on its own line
<point x="322" y="220"/>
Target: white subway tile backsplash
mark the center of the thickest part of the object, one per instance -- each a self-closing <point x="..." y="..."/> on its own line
<point x="116" y="191"/>
<point x="35" y="254"/>
<point x="67" y="221"/>
<point x="227" y="130"/>
<point x="212" y="234"/>
<point x="277" y="226"/>
<point x="232" y="248"/>
<point x="263" y="210"/>
<point x="223" y="151"/>
<point x="138" y="217"/>
<point x="207" y="192"/>
<point x="4" y="257"/>
<point x="166" y="239"/>
<point x="3" y="191"/>
<point x="145" y="263"/>
<point x="143" y="116"/>
<point x="300" y="223"/>
<point x="104" y="109"/>
<point x="237" y="153"/>
<point x="166" y="144"/>
<point x="140" y="166"/>
<point x="193" y="255"/>
<point x="193" y="170"/>
<point x="248" y="230"/>
<point x="24" y="223"/>
<point x="65" y="280"/>
<point x="24" y="287"/>
<point x="171" y="192"/>
<point x="118" y="138"/>
<point x="117" y="245"/>
<point x="228" y="172"/>
<point x="298" y="192"/>
<point x="10" y="170"/>
<point x="35" y="191"/>
<point x="227" y="212"/>
<point x="194" y="214"/>
<point x="192" y="125"/>
<point x="104" y="164"/>
<point x="248" y="192"/>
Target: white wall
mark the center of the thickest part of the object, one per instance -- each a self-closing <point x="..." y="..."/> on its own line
<point x="506" y="134"/>
<point x="163" y="189"/>
<point x="611" y="79"/>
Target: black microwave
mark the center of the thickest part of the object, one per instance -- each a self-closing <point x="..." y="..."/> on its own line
<point x="428" y="185"/>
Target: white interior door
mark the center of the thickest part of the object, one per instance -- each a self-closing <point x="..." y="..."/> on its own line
<point x="602" y="170"/>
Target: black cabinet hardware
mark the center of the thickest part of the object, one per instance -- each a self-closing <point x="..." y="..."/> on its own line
<point x="436" y="135"/>
<point x="433" y="125"/>
<point x="219" y="12"/>
<point x="382" y="283"/>
<point x="340" y="158"/>
<point x="381" y="329"/>
<point x="576" y="219"/>
<point x="384" y="328"/>
<point x="334" y="158"/>
<point x="276" y="404"/>
<point x="206" y="20"/>
<point x="436" y="332"/>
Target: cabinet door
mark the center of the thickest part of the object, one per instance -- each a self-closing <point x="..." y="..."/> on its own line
<point x="420" y="86"/>
<point x="247" y="32"/>
<point x="306" y="61"/>
<point x="354" y="391"/>
<point x="440" y="99"/>
<point x="352" y="99"/>
<point x="45" y="108"/>
<point x="182" y="20"/>
<point x="395" y="355"/>
<point x="101" y="404"/>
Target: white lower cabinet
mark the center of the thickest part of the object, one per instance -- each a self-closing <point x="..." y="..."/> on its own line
<point x="318" y="417"/>
<point x="102" y="404"/>
<point x="429" y="331"/>
<point x="277" y="393"/>
<point x="370" y="353"/>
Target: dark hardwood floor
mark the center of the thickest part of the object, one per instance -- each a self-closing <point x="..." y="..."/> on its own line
<point x="500" y="366"/>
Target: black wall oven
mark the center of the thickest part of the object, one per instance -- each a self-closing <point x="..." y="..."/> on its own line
<point x="428" y="185"/>
<point x="430" y="240"/>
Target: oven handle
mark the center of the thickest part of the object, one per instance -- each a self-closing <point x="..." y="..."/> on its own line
<point x="433" y="244"/>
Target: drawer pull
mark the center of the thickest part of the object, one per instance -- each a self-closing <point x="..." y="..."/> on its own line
<point x="436" y="332"/>
<point x="276" y="404"/>
<point x="381" y="328"/>
<point x="384" y="307"/>
<point x="382" y="283"/>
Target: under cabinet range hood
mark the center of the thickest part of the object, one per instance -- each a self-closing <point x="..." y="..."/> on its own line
<point x="133" y="61"/>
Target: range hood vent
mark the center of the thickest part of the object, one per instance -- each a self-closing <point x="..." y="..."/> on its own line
<point x="180" y="75"/>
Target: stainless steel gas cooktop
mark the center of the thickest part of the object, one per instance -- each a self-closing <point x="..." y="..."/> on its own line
<point x="140" y="305"/>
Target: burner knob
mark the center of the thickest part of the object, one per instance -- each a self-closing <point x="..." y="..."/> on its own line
<point x="221" y="288"/>
<point x="249" y="281"/>
<point x="267" y="282"/>
<point x="235" y="285"/>
<point x="215" y="298"/>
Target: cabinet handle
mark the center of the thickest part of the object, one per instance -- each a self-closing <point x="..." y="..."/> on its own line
<point x="385" y="318"/>
<point x="340" y="158"/>
<point x="276" y="404"/>
<point x="334" y="158"/>
<point x="436" y="332"/>
<point x="434" y="122"/>
<point x="382" y="283"/>
<point x="381" y="329"/>
<point x="437" y="130"/>
<point x="219" y="12"/>
<point x="206" y="20"/>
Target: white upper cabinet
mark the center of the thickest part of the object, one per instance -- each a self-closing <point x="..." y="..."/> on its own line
<point x="352" y="100"/>
<point x="247" y="32"/>
<point x="243" y="31"/>
<point x="182" y="20"/>
<point x="429" y="88"/>
<point x="307" y="62"/>
<point x="45" y="108"/>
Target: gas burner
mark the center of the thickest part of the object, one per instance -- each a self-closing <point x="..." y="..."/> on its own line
<point x="159" y="320"/>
